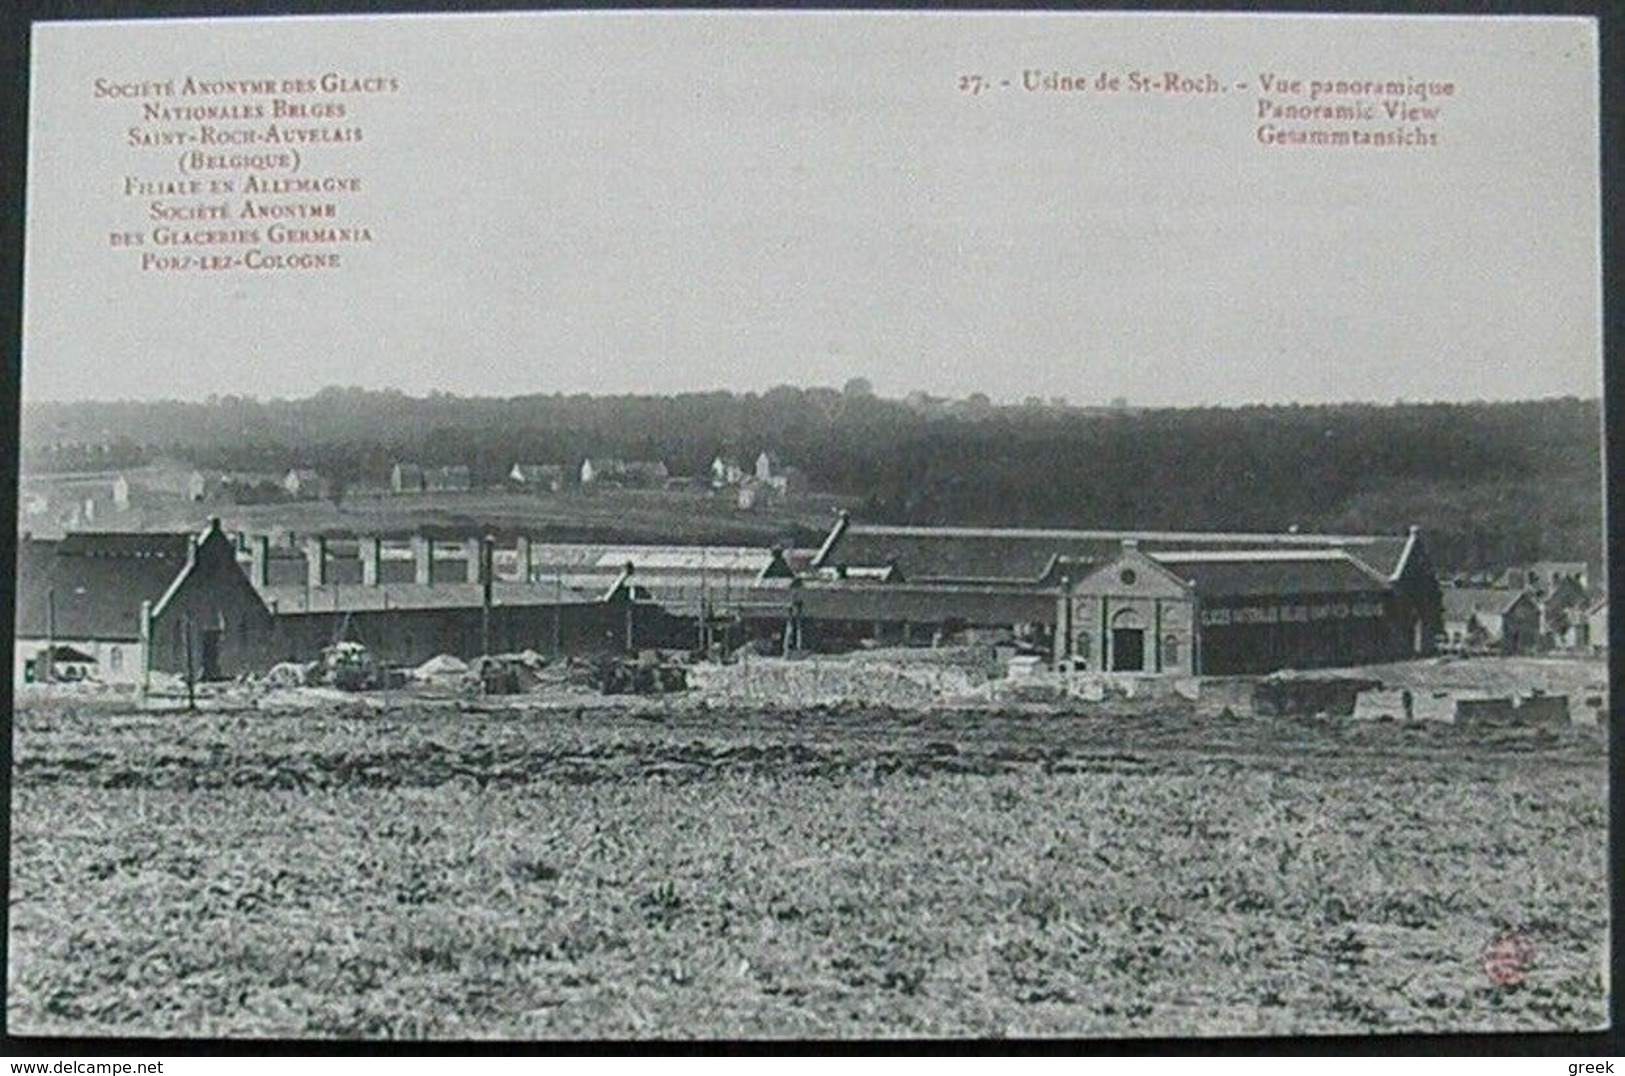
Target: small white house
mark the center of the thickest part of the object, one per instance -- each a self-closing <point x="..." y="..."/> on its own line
<point x="600" y="470"/>
<point x="725" y="471"/>
<point x="538" y="476"/>
<point x="1490" y="618"/>
<point x="304" y="484"/>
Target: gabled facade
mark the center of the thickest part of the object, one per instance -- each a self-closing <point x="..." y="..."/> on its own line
<point x="1563" y="607"/>
<point x="1129" y="615"/>
<point x="133" y="602"/>
<point x="1253" y="602"/>
<point x="726" y="471"/>
<point x="601" y="469"/>
<point x="1483" y="619"/>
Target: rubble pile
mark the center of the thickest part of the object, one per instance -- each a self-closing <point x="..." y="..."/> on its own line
<point x="1537" y="708"/>
<point x="983" y="662"/>
<point x="288" y="674"/>
<point x="508" y="674"/>
<point x="1225" y="697"/>
<point x="649" y="674"/>
<point x="441" y="669"/>
<point x="1125" y="694"/>
<point x="815" y="682"/>
<point x="1289" y="695"/>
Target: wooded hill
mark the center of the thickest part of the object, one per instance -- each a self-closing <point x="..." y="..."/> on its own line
<point x="1492" y="484"/>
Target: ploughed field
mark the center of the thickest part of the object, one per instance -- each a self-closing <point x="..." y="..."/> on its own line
<point x="450" y="872"/>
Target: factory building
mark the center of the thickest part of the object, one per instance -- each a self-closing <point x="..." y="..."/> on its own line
<point x="1136" y="603"/>
<point x="126" y="603"/>
<point x="113" y="607"/>
<point x="1162" y="603"/>
<point x="679" y="578"/>
<point x="408" y="600"/>
<point x="408" y="623"/>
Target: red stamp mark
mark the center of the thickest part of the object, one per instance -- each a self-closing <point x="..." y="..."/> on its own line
<point x="1508" y="958"/>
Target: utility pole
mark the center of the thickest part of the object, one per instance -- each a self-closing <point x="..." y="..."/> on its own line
<point x="191" y="677"/>
<point x="631" y="605"/>
<point x="50" y="634"/>
<point x="146" y="647"/>
<point x="1196" y="632"/>
<point x="486" y="562"/>
<point x="704" y="618"/>
<point x="1070" y="642"/>
<point x="558" y="614"/>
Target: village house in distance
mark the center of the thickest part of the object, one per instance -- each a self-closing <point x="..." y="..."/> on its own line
<point x="761" y="480"/>
<point x="1547" y="605"/>
<point x="539" y="477"/>
<point x="411" y="478"/>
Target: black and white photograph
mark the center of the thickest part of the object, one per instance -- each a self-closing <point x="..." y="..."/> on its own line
<point x="677" y="526"/>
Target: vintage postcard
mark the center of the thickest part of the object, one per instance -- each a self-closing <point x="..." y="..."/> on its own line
<point x="791" y="524"/>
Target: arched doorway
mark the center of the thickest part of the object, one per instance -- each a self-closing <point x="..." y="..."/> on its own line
<point x="1127" y="642"/>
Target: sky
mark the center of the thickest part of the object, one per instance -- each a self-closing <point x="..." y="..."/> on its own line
<point x="654" y="203"/>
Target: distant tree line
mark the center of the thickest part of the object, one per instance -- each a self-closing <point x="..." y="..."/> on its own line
<point x="1491" y="483"/>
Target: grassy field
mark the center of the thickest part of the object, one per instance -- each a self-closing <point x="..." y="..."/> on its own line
<point x="446" y="871"/>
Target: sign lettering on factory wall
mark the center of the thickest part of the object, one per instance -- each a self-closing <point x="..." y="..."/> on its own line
<point x="1290" y="614"/>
